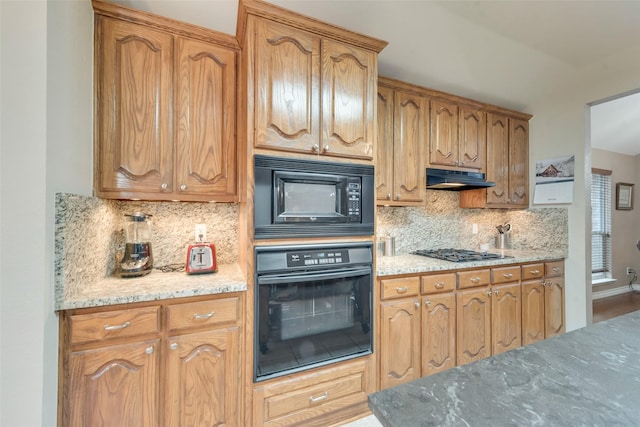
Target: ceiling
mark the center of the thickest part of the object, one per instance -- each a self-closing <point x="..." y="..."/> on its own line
<point x="448" y="45"/>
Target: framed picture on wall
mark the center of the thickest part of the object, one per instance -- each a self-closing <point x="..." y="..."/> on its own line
<point x="624" y="196"/>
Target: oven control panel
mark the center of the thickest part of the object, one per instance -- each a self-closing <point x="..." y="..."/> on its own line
<point x="317" y="257"/>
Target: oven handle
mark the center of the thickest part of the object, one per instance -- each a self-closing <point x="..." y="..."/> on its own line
<point x="311" y="276"/>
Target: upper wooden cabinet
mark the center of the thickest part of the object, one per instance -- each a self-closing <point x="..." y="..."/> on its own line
<point x="165" y="109"/>
<point x="402" y="131"/>
<point x="457" y="136"/>
<point x="507" y="165"/>
<point x="311" y="87"/>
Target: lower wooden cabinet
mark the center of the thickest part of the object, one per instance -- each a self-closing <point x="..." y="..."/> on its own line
<point x="473" y="338"/>
<point x="506" y="319"/>
<point x="438" y="333"/>
<point x="542" y="301"/>
<point x="319" y="397"/>
<point x="400" y="341"/>
<point x="135" y="365"/>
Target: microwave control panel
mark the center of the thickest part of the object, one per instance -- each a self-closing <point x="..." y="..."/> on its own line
<point x="354" y="191"/>
<point x="317" y="257"/>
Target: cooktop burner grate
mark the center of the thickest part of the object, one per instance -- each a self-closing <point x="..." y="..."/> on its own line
<point x="458" y="255"/>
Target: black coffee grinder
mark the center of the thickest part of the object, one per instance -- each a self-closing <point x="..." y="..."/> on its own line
<point x="137" y="259"/>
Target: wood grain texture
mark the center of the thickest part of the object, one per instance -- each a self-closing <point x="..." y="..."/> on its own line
<point x="554" y="307"/>
<point x="533" y="309"/>
<point x="438" y="333"/>
<point x="506" y="317"/>
<point x="443" y="145"/>
<point x="498" y="159"/>
<point x="518" y="163"/>
<point x="400" y="339"/>
<point x="473" y="325"/>
<point x="472" y="144"/>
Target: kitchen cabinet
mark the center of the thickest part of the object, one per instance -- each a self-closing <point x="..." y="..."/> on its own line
<point x="438" y="333"/>
<point x="165" y="109"/>
<point x="542" y="301"/>
<point x="169" y="363"/>
<point x="473" y="324"/>
<point x="506" y="306"/>
<point x="313" y="93"/>
<point x="457" y="136"/>
<point x="507" y="165"/>
<point x="402" y="131"/>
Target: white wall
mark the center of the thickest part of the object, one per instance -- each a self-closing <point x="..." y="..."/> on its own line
<point x="46" y="136"/>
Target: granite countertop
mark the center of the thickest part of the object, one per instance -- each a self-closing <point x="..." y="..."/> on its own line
<point x="408" y="263"/>
<point x="154" y="286"/>
<point x="587" y="377"/>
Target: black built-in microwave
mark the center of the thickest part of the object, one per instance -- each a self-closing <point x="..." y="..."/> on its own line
<point x="308" y="198"/>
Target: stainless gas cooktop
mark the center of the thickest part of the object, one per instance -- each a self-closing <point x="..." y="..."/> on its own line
<point x="458" y="255"/>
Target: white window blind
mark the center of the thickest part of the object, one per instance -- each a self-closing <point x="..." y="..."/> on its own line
<point x="600" y="224"/>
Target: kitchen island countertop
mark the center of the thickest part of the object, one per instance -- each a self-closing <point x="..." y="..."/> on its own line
<point x="587" y="377"/>
<point x="411" y="264"/>
<point x="154" y="286"/>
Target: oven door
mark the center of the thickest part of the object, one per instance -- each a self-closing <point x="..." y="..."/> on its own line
<point x="310" y="319"/>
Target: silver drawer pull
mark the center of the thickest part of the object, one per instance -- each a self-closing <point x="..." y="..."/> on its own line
<point x="116" y="327"/>
<point x="556" y="269"/>
<point x="508" y="275"/>
<point x="402" y="290"/>
<point x="203" y="316"/>
<point x="475" y="280"/>
<point x="535" y="272"/>
<point x="439" y="285"/>
<point x="323" y="396"/>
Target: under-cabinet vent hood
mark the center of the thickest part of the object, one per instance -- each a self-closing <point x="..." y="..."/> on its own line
<point x="441" y="179"/>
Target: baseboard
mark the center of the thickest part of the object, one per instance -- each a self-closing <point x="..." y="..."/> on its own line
<point x="610" y="292"/>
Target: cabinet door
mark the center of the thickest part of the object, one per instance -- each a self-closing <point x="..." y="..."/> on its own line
<point x="554" y="307"/>
<point x="498" y="159"/>
<point x="287" y="88"/>
<point x="506" y="321"/>
<point x="519" y="163"/>
<point x="410" y="129"/>
<point x="533" y="323"/>
<point x="205" y="111"/>
<point x="114" y="386"/>
<point x="473" y="325"/>
<point x="473" y="142"/>
<point x="444" y="134"/>
<point x="348" y="100"/>
<point x="384" y="145"/>
<point x="438" y="333"/>
<point x="400" y="342"/>
<point x="203" y="379"/>
<point x="134" y="143"/>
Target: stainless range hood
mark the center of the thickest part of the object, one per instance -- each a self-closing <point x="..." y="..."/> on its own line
<point x="441" y="179"/>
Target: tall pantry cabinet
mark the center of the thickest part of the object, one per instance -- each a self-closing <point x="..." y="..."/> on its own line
<point x="307" y="90"/>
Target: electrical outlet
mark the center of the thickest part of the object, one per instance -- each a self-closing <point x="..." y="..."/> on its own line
<point x="474" y="228"/>
<point x="629" y="271"/>
<point x="201" y="233"/>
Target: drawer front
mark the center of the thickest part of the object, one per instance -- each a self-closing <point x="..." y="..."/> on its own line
<point x="438" y="283"/>
<point x="554" y="269"/>
<point x="296" y="401"/>
<point x="505" y="274"/>
<point x="473" y="278"/>
<point x="203" y="313"/>
<point x="114" y="324"/>
<point x="396" y="288"/>
<point x="532" y="271"/>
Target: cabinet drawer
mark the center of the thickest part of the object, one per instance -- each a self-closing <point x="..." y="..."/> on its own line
<point x="405" y="286"/>
<point x="114" y="324"/>
<point x="505" y="274"/>
<point x="201" y="313"/>
<point x="473" y="278"/>
<point x="532" y="271"/>
<point x="295" y="400"/>
<point x="554" y="269"/>
<point x="438" y="283"/>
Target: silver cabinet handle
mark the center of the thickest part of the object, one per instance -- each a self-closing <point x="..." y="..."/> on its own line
<point x="535" y="272"/>
<point x="315" y="148"/>
<point x="398" y="196"/>
<point x="183" y="187"/>
<point x="489" y="293"/>
<point x="164" y="186"/>
<point x="326" y="148"/>
<point x="497" y="292"/>
<point x="197" y="316"/>
<point x="508" y="275"/>
<point x="417" y="304"/>
<point x="149" y="350"/>
<point x="402" y="290"/>
<point x="323" y="396"/>
<point x="427" y="302"/>
<point x="108" y="327"/>
<point x="475" y="280"/>
<point x="174" y="346"/>
<point x="388" y="196"/>
<point x="556" y="269"/>
<point x="439" y="285"/>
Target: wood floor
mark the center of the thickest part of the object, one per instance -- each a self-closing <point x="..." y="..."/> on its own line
<point x="609" y="307"/>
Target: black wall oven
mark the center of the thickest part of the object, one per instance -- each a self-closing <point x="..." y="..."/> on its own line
<point x="313" y="306"/>
<point x="305" y="198"/>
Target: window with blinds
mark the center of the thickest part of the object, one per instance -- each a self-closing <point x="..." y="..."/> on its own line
<point x="600" y="224"/>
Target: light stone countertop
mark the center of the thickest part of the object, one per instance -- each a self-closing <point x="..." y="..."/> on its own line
<point x="155" y="286"/>
<point x="408" y="263"/>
